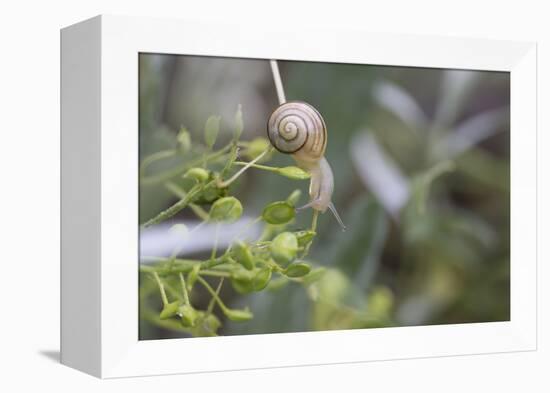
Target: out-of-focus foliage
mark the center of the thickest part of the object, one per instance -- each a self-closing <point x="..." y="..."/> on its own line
<point x="421" y="165"/>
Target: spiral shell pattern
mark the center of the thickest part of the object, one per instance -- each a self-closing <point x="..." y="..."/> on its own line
<point x="297" y="127"/>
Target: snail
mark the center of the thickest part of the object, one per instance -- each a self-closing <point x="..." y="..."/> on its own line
<point x="297" y="128"/>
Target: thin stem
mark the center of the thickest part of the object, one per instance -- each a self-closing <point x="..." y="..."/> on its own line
<point x="160" y="155"/>
<point x="278" y="81"/>
<point x="162" y="177"/>
<point x="178" y="206"/>
<point x="313" y="229"/>
<point x="314" y="220"/>
<point x="214" y="273"/>
<point x="213" y="301"/>
<point x="243" y="169"/>
<point x="184" y="289"/>
<point x="216" y="236"/>
<point x="258" y="166"/>
<point x="213" y="293"/>
<point x="161" y="288"/>
<point x="180" y="193"/>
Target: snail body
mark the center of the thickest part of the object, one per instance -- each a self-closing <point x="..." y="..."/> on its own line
<point x="297" y="128"/>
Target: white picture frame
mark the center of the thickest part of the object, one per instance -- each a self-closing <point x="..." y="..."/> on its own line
<point x="99" y="98"/>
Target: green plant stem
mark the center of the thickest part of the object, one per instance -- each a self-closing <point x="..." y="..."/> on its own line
<point x="226" y="183"/>
<point x="213" y="294"/>
<point x="161" y="288"/>
<point x="178" y="206"/>
<point x="180" y="193"/>
<point x="258" y="166"/>
<point x="184" y="289"/>
<point x="178" y="170"/>
<point x="160" y="155"/>
<point x="213" y="300"/>
<point x="179" y="265"/>
<point x="214" y="273"/>
<point x="314" y="220"/>
<point x="216" y="236"/>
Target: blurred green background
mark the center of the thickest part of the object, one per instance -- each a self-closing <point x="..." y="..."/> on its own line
<point x="421" y="159"/>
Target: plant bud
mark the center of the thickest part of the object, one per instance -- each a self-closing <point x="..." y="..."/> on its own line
<point x="211" y="129"/>
<point x="278" y="213"/>
<point x="242" y="254"/>
<point x="200" y="175"/>
<point x="256" y="147"/>
<point x="184" y="140"/>
<point x="294" y="172"/>
<point x="226" y="209"/>
<point x="261" y="279"/>
<point x="284" y="248"/>
<point x="299" y="269"/>
<point x="242" y="281"/>
<point x="169" y="310"/>
<point x="179" y="229"/>
<point x="294" y="197"/>
<point x="239" y="126"/>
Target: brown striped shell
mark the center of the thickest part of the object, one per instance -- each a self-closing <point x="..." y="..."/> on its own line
<point x="297" y="128"/>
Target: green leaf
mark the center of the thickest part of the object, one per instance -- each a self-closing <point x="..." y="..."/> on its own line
<point x="211" y="130"/>
<point x="226" y="209"/>
<point x="298" y="269"/>
<point x="278" y="213"/>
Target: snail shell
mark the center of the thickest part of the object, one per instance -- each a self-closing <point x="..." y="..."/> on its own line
<point x="297" y="128"/>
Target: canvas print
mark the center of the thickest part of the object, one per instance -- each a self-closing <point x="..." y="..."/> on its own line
<point x="290" y="196"/>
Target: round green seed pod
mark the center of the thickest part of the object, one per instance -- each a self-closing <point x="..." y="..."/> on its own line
<point x="226" y="209"/>
<point x="242" y="281"/>
<point x="243" y="255"/>
<point x="284" y="248"/>
<point x="278" y="213"/>
<point x="261" y="279"/>
<point x="299" y="269"/>
<point x="198" y="174"/>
